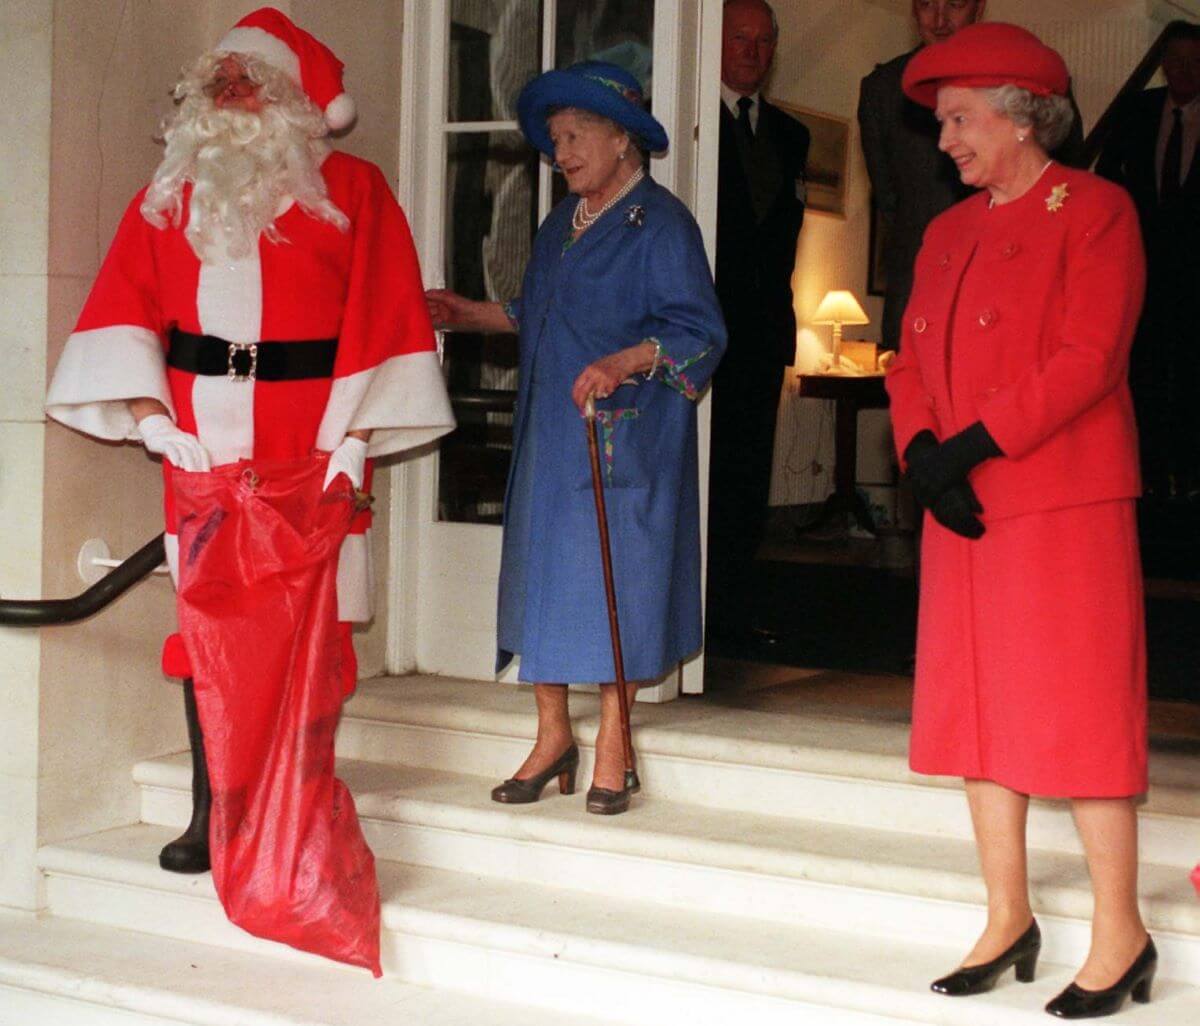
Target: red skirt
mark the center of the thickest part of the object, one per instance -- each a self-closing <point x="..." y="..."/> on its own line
<point x="1031" y="665"/>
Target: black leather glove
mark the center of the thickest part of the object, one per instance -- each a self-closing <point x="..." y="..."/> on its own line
<point x="957" y="509"/>
<point x="933" y="468"/>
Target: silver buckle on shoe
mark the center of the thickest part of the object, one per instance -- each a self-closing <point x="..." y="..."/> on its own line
<point x="248" y="369"/>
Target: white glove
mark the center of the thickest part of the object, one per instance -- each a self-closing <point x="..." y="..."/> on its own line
<point x="179" y="448"/>
<point x="349" y="458"/>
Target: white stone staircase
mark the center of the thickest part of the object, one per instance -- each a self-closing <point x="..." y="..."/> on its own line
<point x="776" y="869"/>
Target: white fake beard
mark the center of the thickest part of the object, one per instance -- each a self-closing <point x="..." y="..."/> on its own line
<point x="242" y="167"/>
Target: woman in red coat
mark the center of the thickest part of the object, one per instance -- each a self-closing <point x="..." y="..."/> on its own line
<point x="1015" y="426"/>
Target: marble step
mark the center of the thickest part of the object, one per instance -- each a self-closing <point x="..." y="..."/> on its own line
<point x="882" y="883"/>
<point x="812" y="767"/>
<point x="559" y="948"/>
<point x="55" y="972"/>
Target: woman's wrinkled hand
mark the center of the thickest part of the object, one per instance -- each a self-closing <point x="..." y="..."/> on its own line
<point x="449" y="310"/>
<point x="452" y="312"/>
<point x="602" y="378"/>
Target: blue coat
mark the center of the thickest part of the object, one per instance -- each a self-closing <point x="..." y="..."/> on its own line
<point x="639" y="273"/>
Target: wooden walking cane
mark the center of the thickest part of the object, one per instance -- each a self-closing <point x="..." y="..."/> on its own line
<point x="589" y="414"/>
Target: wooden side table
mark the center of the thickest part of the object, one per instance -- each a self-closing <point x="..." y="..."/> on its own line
<point x="849" y="394"/>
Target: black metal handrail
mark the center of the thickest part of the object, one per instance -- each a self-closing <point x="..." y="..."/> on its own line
<point x="484" y="400"/>
<point x="45" y="612"/>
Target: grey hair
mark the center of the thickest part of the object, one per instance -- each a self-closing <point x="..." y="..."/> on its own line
<point x="1050" y="117"/>
<point x="770" y="11"/>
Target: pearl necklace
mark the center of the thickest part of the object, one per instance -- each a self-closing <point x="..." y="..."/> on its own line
<point x="582" y="220"/>
<point x="992" y="200"/>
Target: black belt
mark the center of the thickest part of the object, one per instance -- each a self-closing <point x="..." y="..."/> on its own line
<point x="246" y="361"/>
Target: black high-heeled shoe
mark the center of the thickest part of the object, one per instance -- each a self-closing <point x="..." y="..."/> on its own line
<point x="522" y="792"/>
<point x="604" y="801"/>
<point x="978" y="979"/>
<point x="1077" y="1003"/>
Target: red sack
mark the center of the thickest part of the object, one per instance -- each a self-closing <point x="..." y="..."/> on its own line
<point x="258" y="552"/>
<point x="1196" y="878"/>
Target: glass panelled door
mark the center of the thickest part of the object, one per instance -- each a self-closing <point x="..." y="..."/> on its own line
<point x="490" y="215"/>
<point x="495" y="197"/>
<point x="477" y="194"/>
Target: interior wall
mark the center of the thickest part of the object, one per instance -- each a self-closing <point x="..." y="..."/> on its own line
<point x="26" y="33"/>
<point x="366" y="35"/>
<point x="1101" y="40"/>
<point x="103" y="701"/>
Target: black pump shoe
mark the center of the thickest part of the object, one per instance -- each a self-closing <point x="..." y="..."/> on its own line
<point x="978" y="979"/>
<point x="189" y="853"/>
<point x="522" y="792"/>
<point x="605" y="802"/>
<point x="1077" y="1003"/>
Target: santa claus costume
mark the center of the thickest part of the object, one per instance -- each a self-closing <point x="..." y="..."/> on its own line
<point x="271" y="344"/>
<point x="361" y="287"/>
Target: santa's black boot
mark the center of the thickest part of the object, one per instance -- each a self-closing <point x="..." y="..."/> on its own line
<point x="188" y="853"/>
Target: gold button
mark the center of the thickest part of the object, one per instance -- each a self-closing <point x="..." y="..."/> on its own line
<point x="920" y="324"/>
<point x="1010" y="251"/>
<point x="988" y="318"/>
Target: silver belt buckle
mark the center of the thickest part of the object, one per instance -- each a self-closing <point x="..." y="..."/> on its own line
<point x="242" y="347"/>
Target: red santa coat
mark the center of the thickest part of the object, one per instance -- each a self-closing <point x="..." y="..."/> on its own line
<point x="1030" y="651"/>
<point x="362" y="287"/>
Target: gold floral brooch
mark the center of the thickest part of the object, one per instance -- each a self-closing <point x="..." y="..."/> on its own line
<point x="1058" y="196"/>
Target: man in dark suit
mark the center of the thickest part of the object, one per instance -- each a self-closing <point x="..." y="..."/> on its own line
<point x="912" y="181"/>
<point x="760" y="207"/>
<point x="1153" y="153"/>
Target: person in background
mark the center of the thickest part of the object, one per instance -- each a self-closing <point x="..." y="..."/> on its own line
<point x="617" y="304"/>
<point x="1015" y="427"/>
<point x="760" y="208"/>
<point x="1152" y="153"/>
<point x="912" y="181"/>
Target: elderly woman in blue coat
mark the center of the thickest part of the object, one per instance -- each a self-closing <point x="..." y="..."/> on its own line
<point x="617" y="304"/>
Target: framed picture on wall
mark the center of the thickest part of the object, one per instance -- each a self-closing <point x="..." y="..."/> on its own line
<point x="876" y="268"/>
<point x="828" y="158"/>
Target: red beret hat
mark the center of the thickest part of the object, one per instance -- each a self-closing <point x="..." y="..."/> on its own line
<point x="984" y="55"/>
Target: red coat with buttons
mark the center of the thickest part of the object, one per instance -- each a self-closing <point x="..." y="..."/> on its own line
<point x="1030" y="644"/>
<point x="1045" y="294"/>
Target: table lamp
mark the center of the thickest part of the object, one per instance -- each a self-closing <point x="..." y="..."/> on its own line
<point x="837" y="308"/>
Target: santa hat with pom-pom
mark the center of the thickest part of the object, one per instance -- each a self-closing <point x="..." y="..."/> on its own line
<point x="272" y="36"/>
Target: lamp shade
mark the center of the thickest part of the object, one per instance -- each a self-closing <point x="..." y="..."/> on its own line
<point x="840" y="307"/>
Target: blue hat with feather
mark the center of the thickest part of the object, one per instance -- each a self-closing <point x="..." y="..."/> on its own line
<point x="596" y="86"/>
